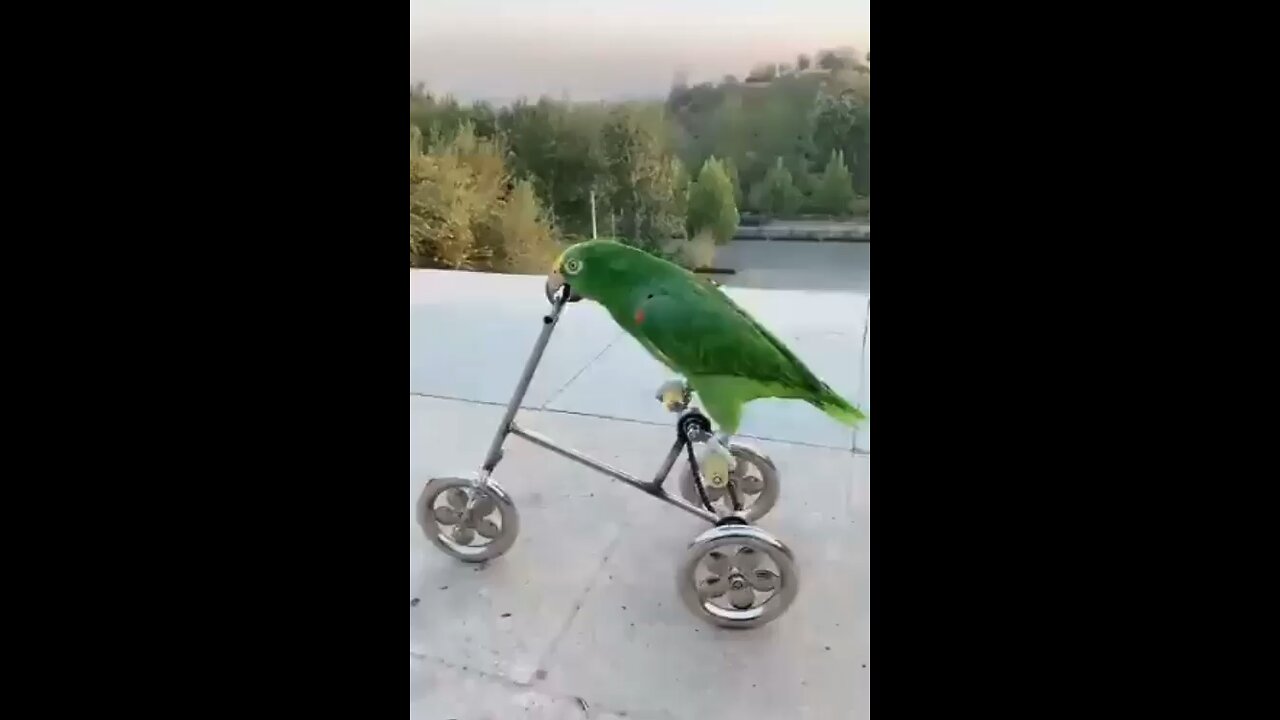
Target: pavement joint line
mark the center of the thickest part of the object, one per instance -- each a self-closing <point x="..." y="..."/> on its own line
<point x="650" y="423"/>
<point x="582" y="599"/>
<point x="581" y="370"/>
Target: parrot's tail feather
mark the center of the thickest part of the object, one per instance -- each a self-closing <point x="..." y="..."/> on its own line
<point x="850" y="416"/>
<point x="838" y="408"/>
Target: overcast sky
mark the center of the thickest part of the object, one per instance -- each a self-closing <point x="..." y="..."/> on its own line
<point x="593" y="49"/>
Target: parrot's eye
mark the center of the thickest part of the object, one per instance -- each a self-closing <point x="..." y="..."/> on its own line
<point x="572" y="266"/>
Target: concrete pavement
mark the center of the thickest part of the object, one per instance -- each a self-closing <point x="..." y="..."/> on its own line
<point x="581" y="618"/>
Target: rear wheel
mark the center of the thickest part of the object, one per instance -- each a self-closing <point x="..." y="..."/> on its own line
<point x="753" y="481"/>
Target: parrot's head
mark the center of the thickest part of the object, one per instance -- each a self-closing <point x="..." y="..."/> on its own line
<point x="589" y="269"/>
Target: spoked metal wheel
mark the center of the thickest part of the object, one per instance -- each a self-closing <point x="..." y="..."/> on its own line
<point x="471" y="523"/>
<point x="738" y="576"/>
<point x="754" y="480"/>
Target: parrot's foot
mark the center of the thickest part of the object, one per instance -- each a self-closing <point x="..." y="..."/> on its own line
<point x="717" y="462"/>
<point x="674" y="395"/>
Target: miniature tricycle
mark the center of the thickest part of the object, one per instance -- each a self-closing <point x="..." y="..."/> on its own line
<point x="734" y="575"/>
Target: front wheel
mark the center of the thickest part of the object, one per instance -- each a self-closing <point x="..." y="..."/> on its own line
<point x="472" y="523"/>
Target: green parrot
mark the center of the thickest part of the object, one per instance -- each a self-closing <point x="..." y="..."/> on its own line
<point x="691" y="327"/>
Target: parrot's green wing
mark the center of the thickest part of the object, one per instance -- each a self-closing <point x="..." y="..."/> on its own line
<point x="697" y="330"/>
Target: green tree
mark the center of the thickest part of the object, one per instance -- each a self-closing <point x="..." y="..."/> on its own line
<point x="681" y="186"/>
<point x="803" y="62"/>
<point x="839" y="123"/>
<point x="484" y="118"/>
<point x="711" y="205"/>
<point x="834" y="193"/>
<point x="777" y="195"/>
<point x="776" y="124"/>
<point x="441" y="117"/>
<point x="640" y="178"/>
<point x="749" y="124"/>
<point x="557" y="148"/>
<point x="529" y="129"/>
<point x="731" y="169"/>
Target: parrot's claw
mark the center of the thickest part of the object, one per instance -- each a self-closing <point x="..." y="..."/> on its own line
<point x="674" y="395"/>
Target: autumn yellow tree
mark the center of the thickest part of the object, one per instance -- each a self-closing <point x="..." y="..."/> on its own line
<point x="465" y="213"/>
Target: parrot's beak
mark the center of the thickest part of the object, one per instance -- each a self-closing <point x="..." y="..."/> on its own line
<point x="555" y="281"/>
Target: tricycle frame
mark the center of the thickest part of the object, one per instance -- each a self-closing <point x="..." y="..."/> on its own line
<point x="692" y="427"/>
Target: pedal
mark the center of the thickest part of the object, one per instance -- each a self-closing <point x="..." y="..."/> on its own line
<point x="674" y="396"/>
<point x="715" y="468"/>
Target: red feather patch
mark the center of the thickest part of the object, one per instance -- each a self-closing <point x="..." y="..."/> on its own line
<point x="639" y="315"/>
